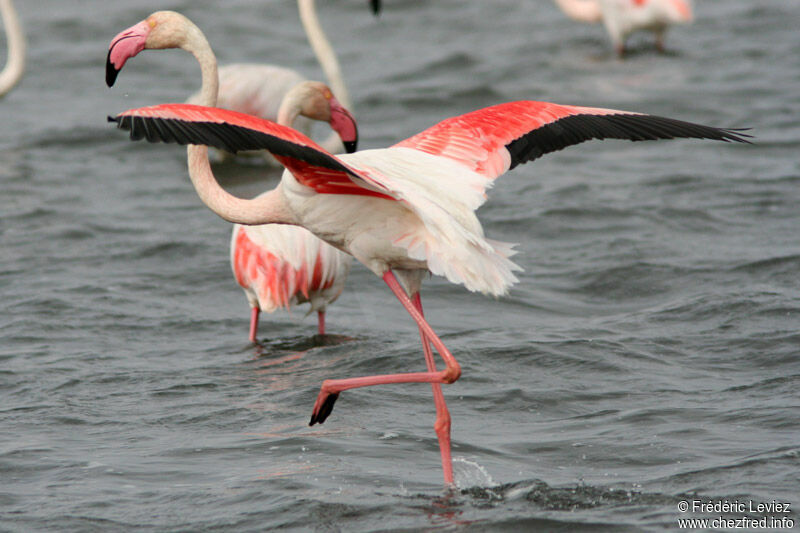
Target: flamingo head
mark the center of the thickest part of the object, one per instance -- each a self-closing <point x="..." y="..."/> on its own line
<point x="343" y="123"/>
<point x="315" y="100"/>
<point x="162" y="29"/>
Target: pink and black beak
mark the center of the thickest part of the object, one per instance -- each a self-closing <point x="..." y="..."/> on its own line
<point x="343" y="123"/>
<point x="123" y="47"/>
<point x="351" y="146"/>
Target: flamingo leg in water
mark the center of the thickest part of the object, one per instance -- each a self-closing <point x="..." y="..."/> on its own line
<point x="254" y="323"/>
<point x="321" y="322"/>
<point x="442" y="424"/>
<point x="331" y="388"/>
<point x="660" y="42"/>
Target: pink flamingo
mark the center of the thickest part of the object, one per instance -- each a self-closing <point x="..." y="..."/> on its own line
<point x="276" y="265"/>
<point x="15" y="64"/>
<point x="402" y="211"/>
<point x="279" y="266"/>
<point x="623" y="17"/>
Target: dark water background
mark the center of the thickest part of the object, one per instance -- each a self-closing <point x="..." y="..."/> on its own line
<point x="649" y="354"/>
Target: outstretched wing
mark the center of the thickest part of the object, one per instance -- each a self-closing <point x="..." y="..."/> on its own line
<point x="495" y="139"/>
<point x="232" y="131"/>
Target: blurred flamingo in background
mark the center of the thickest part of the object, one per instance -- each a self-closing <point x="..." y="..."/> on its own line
<point x="258" y="89"/>
<point x="623" y="17"/>
<point x="402" y="211"/>
<point x="277" y="266"/>
<point x="15" y="62"/>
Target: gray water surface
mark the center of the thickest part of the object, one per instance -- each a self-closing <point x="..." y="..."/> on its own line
<point x="649" y="354"/>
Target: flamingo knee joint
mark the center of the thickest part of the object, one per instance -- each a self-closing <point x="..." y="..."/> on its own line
<point x="451" y="374"/>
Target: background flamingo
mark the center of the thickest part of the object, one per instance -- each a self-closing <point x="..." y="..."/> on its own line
<point x="623" y="17"/>
<point x="280" y="266"/>
<point x="277" y="266"/>
<point x="15" y="62"/>
<point x="402" y="211"/>
<point x="258" y="89"/>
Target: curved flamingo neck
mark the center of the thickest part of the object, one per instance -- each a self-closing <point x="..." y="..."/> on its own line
<point x="323" y="50"/>
<point x="290" y="109"/>
<point x="15" y="64"/>
<point x="265" y="209"/>
<point x="582" y="10"/>
<point x="304" y="99"/>
<point x="195" y="42"/>
<point x="268" y="208"/>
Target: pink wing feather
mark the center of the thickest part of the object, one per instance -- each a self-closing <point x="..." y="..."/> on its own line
<point x="214" y="115"/>
<point x="285" y="265"/>
<point x="479" y="139"/>
<point x="492" y="140"/>
<point x="488" y="141"/>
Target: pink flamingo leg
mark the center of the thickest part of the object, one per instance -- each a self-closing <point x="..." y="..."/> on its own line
<point x="442" y="424"/>
<point x="331" y="388"/>
<point x="254" y="323"/>
<point x="660" y="42"/>
<point x="321" y="322"/>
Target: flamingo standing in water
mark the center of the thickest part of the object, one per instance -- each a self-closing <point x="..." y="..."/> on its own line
<point x="402" y="211"/>
<point x="623" y="17"/>
<point x="15" y="63"/>
<point x="280" y="266"/>
<point x="276" y="265"/>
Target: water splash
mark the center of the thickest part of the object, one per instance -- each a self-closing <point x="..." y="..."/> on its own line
<point x="468" y="474"/>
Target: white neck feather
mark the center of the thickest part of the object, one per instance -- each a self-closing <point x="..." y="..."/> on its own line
<point x="323" y="50"/>
<point x="265" y="209"/>
<point x="15" y="64"/>
<point x="268" y="208"/>
<point x="196" y="43"/>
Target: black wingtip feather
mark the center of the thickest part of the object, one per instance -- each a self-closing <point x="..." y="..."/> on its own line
<point x="576" y="129"/>
<point x="223" y="136"/>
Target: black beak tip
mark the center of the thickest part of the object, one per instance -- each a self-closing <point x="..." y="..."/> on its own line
<point x="350" y="146"/>
<point x="111" y="76"/>
<point x="111" y="71"/>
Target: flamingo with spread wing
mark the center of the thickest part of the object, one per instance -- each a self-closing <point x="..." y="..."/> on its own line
<point x="402" y="211"/>
<point x="280" y="266"/>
